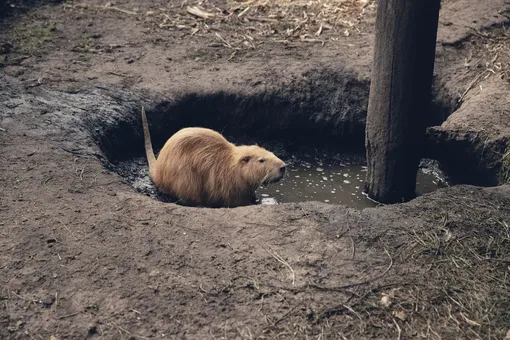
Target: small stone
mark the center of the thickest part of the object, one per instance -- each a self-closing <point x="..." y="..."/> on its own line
<point x="385" y="300"/>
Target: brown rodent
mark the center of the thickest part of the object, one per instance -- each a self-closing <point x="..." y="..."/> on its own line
<point x="199" y="166"/>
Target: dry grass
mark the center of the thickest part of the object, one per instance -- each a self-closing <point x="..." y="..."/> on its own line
<point x="491" y="51"/>
<point x="470" y="283"/>
<point x="242" y="25"/>
<point x="505" y="167"/>
<point x="460" y="293"/>
<point x="465" y="283"/>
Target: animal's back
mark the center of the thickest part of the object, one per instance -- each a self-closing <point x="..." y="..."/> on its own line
<point x="188" y="161"/>
<point x="196" y="145"/>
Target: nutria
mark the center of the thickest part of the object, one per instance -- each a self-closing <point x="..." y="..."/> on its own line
<point x="198" y="166"/>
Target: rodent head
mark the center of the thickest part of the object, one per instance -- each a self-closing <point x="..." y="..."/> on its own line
<point x="259" y="166"/>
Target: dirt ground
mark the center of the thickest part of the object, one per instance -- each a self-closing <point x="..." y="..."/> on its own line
<point x="84" y="256"/>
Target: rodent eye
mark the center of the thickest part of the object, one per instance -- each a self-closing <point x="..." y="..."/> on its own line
<point x="262" y="160"/>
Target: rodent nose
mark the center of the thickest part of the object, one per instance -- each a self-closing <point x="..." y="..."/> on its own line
<point x="282" y="169"/>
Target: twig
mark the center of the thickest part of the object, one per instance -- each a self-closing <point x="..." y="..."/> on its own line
<point x="480" y="34"/>
<point x="68" y="315"/>
<point x="224" y="41"/>
<point x="232" y="56"/>
<point x="243" y="12"/>
<point x="24" y="298"/>
<point x="506" y="155"/>
<point x="199" y="13"/>
<point x="398" y="329"/>
<point x="74" y="152"/>
<point x="470" y="86"/>
<point x="278" y="258"/>
<point x="349" y="308"/>
<point x="69" y="230"/>
<point x="469" y="321"/>
<point x="125" y="11"/>
<point x="282" y="317"/>
<point x="373" y="279"/>
<point x="55" y="305"/>
<point x="3" y="130"/>
<point x="119" y="74"/>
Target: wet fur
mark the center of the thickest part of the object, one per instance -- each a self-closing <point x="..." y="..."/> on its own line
<point x="199" y="166"/>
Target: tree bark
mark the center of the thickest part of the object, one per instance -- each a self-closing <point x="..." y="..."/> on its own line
<point x="400" y="93"/>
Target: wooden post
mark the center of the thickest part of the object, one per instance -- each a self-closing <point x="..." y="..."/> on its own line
<point x="400" y="93"/>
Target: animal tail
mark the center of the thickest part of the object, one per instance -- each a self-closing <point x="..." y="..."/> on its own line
<point x="148" y="145"/>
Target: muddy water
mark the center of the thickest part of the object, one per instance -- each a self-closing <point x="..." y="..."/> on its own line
<point x="335" y="181"/>
<point x="327" y="178"/>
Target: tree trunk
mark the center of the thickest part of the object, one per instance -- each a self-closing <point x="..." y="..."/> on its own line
<point x="400" y="93"/>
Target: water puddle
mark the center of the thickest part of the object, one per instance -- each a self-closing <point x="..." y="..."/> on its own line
<point x="338" y="181"/>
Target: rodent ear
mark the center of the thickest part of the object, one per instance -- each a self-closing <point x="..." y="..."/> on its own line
<point x="245" y="159"/>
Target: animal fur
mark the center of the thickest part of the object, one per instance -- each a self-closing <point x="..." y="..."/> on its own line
<point x="199" y="166"/>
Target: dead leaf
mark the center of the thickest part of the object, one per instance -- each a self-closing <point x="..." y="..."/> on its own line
<point x="507" y="336"/>
<point x="400" y="314"/>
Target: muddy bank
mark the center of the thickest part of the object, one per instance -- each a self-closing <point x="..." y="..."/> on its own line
<point x="86" y="256"/>
<point x="473" y="140"/>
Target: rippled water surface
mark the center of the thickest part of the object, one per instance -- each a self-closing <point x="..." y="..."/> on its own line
<point x="334" y="181"/>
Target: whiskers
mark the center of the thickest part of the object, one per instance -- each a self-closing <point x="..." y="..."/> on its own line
<point x="271" y="177"/>
<point x="265" y="179"/>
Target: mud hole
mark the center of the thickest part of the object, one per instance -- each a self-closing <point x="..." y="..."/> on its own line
<point x="318" y="123"/>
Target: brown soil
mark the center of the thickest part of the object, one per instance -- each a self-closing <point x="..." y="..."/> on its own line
<point x="84" y="256"/>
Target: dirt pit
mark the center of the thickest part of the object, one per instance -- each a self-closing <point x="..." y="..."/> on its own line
<point x="330" y="172"/>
